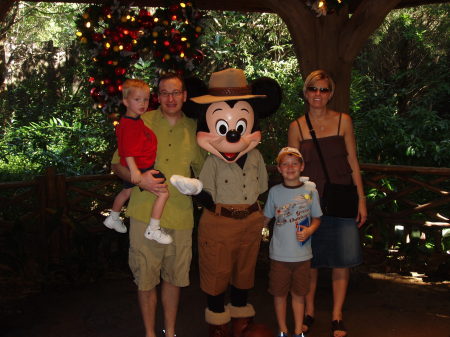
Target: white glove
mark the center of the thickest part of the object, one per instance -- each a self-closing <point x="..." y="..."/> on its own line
<point x="306" y="181"/>
<point x="188" y="186"/>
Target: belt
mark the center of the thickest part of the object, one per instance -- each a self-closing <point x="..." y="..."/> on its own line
<point x="236" y="213"/>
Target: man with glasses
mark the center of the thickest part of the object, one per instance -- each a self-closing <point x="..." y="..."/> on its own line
<point x="151" y="261"/>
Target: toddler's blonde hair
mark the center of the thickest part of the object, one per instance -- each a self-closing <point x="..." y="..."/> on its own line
<point x="131" y="84"/>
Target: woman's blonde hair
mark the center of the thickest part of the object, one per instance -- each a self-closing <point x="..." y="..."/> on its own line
<point x="315" y="76"/>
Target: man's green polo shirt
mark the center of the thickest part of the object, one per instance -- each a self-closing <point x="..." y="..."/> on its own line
<point x="177" y="153"/>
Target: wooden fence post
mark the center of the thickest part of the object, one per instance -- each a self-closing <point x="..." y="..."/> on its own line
<point x="37" y="244"/>
<point x="53" y="231"/>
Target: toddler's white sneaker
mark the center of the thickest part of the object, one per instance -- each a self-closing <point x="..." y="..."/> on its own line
<point x="158" y="235"/>
<point x="115" y="223"/>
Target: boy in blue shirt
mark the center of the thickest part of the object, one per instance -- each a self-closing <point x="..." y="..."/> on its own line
<point x="295" y="206"/>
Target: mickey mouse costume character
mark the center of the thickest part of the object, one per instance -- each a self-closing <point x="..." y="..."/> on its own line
<point x="232" y="178"/>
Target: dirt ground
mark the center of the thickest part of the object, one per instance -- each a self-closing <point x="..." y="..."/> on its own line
<point x="377" y="305"/>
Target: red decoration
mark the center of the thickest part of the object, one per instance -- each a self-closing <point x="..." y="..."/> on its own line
<point x="97" y="37"/>
<point x="116" y="37"/>
<point x="128" y="47"/>
<point x="111" y="89"/>
<point x="107" y="11"/>
<point x="154" y="103"/>
<point x="95" y="94"/>
<point x="144" y="12"/>
<point x="120" y="71"/>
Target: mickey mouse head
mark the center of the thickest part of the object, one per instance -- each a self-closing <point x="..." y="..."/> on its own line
<point x="228" y="115"/>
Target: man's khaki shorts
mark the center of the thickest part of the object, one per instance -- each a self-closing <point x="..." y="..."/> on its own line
<point x="150" y="261"/>
<point x="228" y="250"/>
<point x="285" y="277"/>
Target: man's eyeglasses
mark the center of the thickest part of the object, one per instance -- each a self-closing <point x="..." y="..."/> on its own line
<point x="175" y="93"/>
<point x="322" y="90"/>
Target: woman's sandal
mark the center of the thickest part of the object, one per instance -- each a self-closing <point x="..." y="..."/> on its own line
<point x="308" y="321"/>
<point x="338" y="325"/>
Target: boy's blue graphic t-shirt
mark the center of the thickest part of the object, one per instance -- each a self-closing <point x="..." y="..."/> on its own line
<point x="291" y="207"/>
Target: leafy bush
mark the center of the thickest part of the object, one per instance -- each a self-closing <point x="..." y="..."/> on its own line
<point x="400" y="90"/>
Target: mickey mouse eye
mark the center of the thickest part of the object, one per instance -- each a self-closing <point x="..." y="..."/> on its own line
<point x="221" y="127"/>
<point x="241" y="126"/>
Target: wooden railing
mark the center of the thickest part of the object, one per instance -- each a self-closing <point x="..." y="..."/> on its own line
<point x="84" y="197"/>
<point x="52" y="207"/>
<point x="404" y="202"/>
<point x="52" y="214"/>
<point x="416" y="199"/>
<point x="417" y="190"/>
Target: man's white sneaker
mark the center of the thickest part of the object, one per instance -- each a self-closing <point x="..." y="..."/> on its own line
<point x="115" y="223"/>
<point x="158" y="235"/>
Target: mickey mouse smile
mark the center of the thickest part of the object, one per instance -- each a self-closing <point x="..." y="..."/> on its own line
<point x="229" y="156"/>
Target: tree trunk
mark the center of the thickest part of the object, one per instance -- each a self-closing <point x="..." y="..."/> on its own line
<point x="5" y="6"/>
<point x="2" y="64"/>
<point x="332" y="42"/>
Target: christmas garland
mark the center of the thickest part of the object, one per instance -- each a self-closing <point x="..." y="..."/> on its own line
<point x="174" y="37"/>
<point x="116" y="36"/>
<point x="324" y="7"/>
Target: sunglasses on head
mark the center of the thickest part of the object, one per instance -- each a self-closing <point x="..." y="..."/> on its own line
<point x="314" y="89"/>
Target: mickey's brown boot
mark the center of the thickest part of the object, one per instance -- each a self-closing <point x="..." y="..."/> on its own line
<point x="218" y="323"/>
<point x="241" y="318"/>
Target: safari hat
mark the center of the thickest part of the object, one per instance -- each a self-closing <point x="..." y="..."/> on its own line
<point x="227" y="85"/>
<point x="288" y="151"/>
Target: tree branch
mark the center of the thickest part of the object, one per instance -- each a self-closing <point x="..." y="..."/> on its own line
<point x="367" y="17"/>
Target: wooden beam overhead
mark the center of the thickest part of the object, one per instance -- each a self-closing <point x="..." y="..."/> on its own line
<point x="237" y="5"/>
<point x="230" y="5"/>
<point x="219" y="5"/>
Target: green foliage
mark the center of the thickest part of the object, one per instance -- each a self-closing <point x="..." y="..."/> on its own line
<point x="144" y="70"/>
<point x="73" y="148"/>
<point x="400" y="90"/>
<point x="238" y="40"/>
<point x="46" y="113"/>
<point x="260" y="44"/>
<point x="446" y="239"/>
<point x="57" y="18"/>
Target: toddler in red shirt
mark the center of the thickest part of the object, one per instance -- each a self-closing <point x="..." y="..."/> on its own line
<point x="137" y="150"/>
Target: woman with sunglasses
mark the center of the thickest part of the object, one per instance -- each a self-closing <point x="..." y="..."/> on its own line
<point x="336" y="243"/>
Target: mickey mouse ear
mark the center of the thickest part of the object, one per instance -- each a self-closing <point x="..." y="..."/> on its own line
<point x="266" y="106"/>
<point x="194" y="87"/>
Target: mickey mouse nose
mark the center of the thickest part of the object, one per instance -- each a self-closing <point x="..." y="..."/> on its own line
<point x="233" y="136"/>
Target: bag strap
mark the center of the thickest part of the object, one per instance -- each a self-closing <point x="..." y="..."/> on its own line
<point x="300" y="129"/>
<point x="339" y="125"/>
<point x="316" y="143"/>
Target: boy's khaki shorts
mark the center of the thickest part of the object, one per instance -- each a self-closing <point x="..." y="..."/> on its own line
<point x="150" y="261"/>
<point x="228" y="250"/>
<point x="285" y="277"/>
